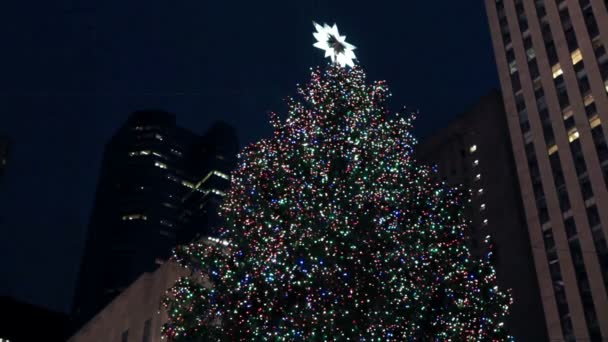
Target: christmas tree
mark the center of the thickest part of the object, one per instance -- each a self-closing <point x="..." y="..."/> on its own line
<point x="334" y="232"/>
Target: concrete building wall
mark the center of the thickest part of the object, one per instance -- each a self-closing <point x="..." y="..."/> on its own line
<point x="474" y="151"/>
<point x="553" y="69"/>
<point x="124" y="319"/>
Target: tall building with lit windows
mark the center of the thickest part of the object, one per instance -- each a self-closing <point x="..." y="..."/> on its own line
<point x="553" y="69"/>
<point x="473" y="153"/>
<point x="159" y="186"/>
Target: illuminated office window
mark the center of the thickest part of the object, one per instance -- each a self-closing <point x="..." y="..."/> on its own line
<point x="573" y="135"/>
<point x="161" y="165"/>
<point x="132" y="217"/>
<point x="552" y="149"/>
<point x="139" y="153"/>
<point x="188" y="184"/>
<point x="221" y="174"/>
<point x="595" y="121"/>
<point x="576" y="56"/>
<point x="557" y="70"/>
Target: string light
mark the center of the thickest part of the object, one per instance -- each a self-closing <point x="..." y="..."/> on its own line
<point x="336" y="233"/>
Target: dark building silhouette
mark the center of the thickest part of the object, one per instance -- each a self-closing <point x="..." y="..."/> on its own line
<point x="23" y="322"/>
<point x="474" y="151"/>
<point x="4" y="150"/>
<point x="215" y="154"/>
<point x="553" y="69"/>
<point x="159" y="186"/>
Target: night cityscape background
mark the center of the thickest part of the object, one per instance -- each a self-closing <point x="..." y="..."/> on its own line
<point x="73" y="72"/>
<point x="118" y="142"/>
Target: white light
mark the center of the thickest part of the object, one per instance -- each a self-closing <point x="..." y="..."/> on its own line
<point x="480" y="191"/>
<point x="483" y="206"/>
<point x="485" y="222"/>
<point x="218" y="192"/>
<point x="221" y="174"/>
<point x="476" y="162"/>
<point x="478" y="176"/>
<point x="335" y="46"/>
<point x="473" y="148"/>
<point x="220" y="241"/>
<point x="557" y="70"/>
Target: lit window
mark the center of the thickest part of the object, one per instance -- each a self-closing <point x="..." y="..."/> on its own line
<point x="588" y="100"/>
<point x="221" y="174"/>
<point x="485" y="222"/>
<point x="159" y="155"/>
<point x="552" y="149"/>
<point x="482" y="206"/>
<point x="531" y="54"/>
<point x="161" y="165"/>
<point x="476" y="162"/>
<point x="188" y="184"/>
<point x="573" y="135"/>
<point x="168" y="205"/>
<point x="513" y="67"/>
<point x="218" y="192"/>
<point x="595" y="121"/>
<point x="176" y="152"/>
<point x="139" y="153"/>
<point x="473" y="148"/>
<point x="567" y="113"/>
<point x="576" y="56"/>
<point x="158" y="136"/>
<point x="480" y="191"/>
<point x="220" y="157"/>
<point x="557" y="70"/>
<point x="132" y="217"/>
<point x="478" y="176"/>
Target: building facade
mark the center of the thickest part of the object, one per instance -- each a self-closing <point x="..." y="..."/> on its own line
<point x="553" y="69"/>
<point x="150" y="167"/>
<point x="136" y="314"/>
<point x="474" y="152"/>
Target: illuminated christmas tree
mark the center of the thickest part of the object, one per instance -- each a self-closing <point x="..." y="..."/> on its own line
<point x="333" y="232"/>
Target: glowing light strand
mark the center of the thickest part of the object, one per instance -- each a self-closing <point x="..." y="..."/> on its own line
<point x="336" y="233"/>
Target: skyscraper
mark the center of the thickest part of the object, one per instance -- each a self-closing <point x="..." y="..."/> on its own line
<point x="553" y="69"/>
<point x="149" y="167"/>
<point x="474" y="152"/>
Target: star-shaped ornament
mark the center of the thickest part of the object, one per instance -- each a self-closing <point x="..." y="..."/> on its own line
<point x="335" y="46"/>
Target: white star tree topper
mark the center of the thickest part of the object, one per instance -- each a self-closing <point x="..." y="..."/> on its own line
<point x="335" y="46"/>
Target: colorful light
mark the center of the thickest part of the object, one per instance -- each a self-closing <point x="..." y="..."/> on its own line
<point x="334" y="232"/>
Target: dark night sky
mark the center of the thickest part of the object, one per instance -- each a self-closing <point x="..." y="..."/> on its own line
<point x="71" y="72"/>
